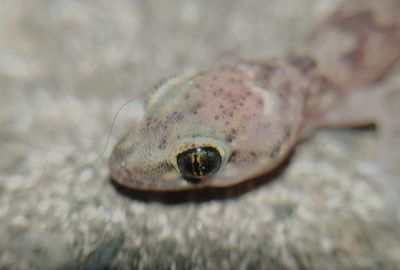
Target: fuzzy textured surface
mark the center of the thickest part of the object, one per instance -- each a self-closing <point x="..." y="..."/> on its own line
<point x="66" y="67"/>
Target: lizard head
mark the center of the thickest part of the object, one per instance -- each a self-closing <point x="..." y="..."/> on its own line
<point x="215" y="128"/>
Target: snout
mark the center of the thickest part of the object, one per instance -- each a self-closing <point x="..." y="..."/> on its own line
<point x="151" y="177"/>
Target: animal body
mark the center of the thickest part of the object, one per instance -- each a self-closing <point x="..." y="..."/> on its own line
<point x="234" y="122"/>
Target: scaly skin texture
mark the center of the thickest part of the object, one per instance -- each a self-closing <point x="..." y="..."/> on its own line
<point x="254" y="113"/>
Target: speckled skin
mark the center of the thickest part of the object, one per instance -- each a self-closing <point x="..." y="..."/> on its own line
<point x="254" y="113"/>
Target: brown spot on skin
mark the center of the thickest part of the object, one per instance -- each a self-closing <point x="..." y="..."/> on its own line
<point x="319" y="88"/>
<point x="305" y="64"/>
<point x="322" y="83"/>
<point x="229" y="138"/>
<point x="175" y="117"/>
<point x="163" y="144"/>
<point x="252" y="156"/>
<point x="243" y="156"/>
<point x="233" y="156"/>
<point x="266" y="69"/>
<point x="275" y="150"/>
<point x="285" y="90"/>
<point x="196" y="107"/>
<point x="149" y="121"/>
<point x="231" y="135"/>
<point x="263" y="73"/>
<point x="164" y="167"/>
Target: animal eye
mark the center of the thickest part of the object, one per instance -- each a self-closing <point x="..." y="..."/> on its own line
<point x="199" y="162"/>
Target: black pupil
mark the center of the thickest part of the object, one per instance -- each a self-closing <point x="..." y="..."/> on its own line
<point x="199" y="162"/>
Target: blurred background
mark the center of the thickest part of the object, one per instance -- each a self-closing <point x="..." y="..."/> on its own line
<point x="67" y="66"/>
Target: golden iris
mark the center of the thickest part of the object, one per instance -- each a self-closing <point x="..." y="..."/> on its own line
<point x="199" y="162"/>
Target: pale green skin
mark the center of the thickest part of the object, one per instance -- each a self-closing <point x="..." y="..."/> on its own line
<point x="254" y="113"/>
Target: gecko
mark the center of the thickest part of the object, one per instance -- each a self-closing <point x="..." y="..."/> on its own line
<point x="234" y="122"/>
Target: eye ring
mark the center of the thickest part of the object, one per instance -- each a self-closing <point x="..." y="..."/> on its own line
<point x="199" y="162"/>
